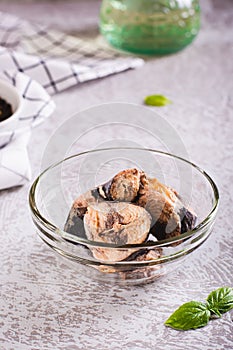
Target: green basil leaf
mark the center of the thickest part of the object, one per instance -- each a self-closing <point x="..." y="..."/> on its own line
<point x="157" y="100"/>
<point x="190" y="315"/>
<point x="220" y="300"/>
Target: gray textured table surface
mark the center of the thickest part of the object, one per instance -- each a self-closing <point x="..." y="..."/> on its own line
<point x="44" y="305"/>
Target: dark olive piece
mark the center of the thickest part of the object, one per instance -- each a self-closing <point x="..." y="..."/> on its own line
<point x="75" y="227"/>
<point x="104" y="190"/>
<point x="188" y="220"/>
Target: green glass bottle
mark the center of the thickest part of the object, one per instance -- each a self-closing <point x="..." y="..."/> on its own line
<point x="150" y="26"/>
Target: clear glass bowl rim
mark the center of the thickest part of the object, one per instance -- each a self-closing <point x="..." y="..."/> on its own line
<point x="75" y="239"/>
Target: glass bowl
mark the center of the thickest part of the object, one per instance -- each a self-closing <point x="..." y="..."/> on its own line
<point x="53" y="192"/>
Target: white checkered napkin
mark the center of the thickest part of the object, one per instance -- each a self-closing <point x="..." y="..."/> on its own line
<point x="57" y="60"/>
<point x="10" y="30"/>
<point x="34" y="58"/>
<point x="15" y="167"/>
<point x="37" y="105"/>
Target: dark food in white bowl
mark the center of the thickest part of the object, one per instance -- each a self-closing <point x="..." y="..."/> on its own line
<point x="131" y="208"/>
<point x="5" y="109"/>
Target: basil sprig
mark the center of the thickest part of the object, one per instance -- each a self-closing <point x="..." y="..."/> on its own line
<point x="157" y="100"/>
<point x="196" y="314"/>
<point x="189" y="315"/>
<point x="220" y="301"/>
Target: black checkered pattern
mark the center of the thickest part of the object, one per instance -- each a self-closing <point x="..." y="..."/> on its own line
<point x="56" y="60"/>
<point x="10" y="30"/>
<point x="35" y="59"/>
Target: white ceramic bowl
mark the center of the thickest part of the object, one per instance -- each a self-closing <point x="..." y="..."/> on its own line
<point x="9" y="93"/>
